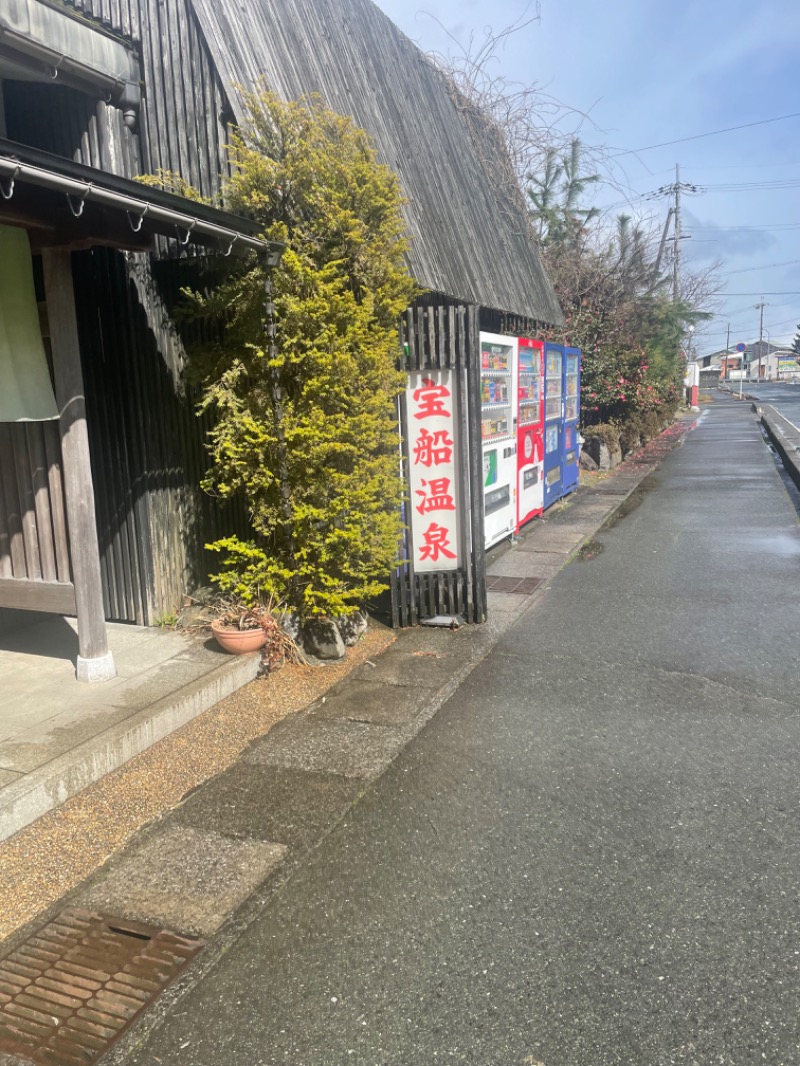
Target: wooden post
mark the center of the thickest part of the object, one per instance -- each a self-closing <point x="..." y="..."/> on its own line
<point x="95" y="661"/>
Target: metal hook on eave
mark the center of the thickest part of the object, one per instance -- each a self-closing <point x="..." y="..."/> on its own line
<point x="11" y="182"/>
<point x="185" y="240"/>
<point x="54" y="70"/>
<point x="139" y="220"/>
<point x="230" y="246"/>
<point x="77" y="212"/>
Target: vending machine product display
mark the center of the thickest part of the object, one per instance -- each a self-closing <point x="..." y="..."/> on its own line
<point x="572" y="391"/>
<point x="553" y="423"/>
<point x="530" y="447"/>
<point x="498" y="431"/>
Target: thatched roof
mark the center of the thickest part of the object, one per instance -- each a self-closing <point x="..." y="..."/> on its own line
<point x="465" y="242"/>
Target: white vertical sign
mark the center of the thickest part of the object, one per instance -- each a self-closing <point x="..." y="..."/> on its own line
<point x="433" y="470"/>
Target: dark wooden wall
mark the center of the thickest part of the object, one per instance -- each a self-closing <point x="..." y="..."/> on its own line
<point x="147" y="454"/>
<point x="184" y="115"/>
<point x="183" y="121"/>
<point x="33" y="525"/>
<point x="492" y="321"/>
<point x="441" y="333"/>
<point x="61" y="120"/>
<point x="146" y="440"/>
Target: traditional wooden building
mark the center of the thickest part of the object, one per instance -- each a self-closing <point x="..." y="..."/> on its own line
<point x="95" y="92"/>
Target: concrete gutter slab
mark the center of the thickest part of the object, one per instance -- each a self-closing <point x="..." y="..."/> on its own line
<point x="373" y="702"/>
<point x="352" y="749"/>
<point x="188" y="880"/>
<point x="291" y="807"/>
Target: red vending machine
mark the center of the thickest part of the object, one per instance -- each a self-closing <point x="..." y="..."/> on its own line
<point x="530" y="426"/>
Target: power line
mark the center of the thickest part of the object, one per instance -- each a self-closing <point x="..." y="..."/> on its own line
<point x="762" y="266"/>
<point x="745" y="229"/>
<point x="711" y="133"/>
<point x="723" y="292"/>
<point x="739" y="166"/>
<point x="744" y="311"/>
<point x="751" y="186"/>
<point x="769" y="326"/>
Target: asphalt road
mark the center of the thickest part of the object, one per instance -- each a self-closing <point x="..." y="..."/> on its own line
<point x="785" y="398"/>
<point x="591" y="855"/>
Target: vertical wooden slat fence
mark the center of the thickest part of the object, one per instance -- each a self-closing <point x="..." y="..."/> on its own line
<point x="444" y="335"/>
<point x="34" y="539"/>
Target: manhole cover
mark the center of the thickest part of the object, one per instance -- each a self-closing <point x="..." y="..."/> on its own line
<point x="521" y="585"/>
<point x="71" y="989"/>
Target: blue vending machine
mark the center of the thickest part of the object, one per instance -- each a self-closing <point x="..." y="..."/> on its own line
<point x="553" y="423"/>
<point x="572" y="393"/>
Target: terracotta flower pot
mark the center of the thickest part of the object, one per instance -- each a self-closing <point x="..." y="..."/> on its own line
<point x="238" y="641"/>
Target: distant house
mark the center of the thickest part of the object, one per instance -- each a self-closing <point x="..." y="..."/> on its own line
<point x="708" y="362"/>
<point x="761" y="360"/>
<point x="778" y="364"/>
<point x="95" y="92"/>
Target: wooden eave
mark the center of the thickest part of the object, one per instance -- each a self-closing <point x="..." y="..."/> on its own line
<point x="65" y="204"/>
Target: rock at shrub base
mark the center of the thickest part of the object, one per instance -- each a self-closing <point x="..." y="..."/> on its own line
<point x="321" y="638"/>
<point x="289" y="622"/>
<point x="587" y="461"/>
<point x="351" y="626"/>
<point x="606" y="457"/>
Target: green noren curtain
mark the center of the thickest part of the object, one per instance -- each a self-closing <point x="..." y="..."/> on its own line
<point x="26" y="393"/>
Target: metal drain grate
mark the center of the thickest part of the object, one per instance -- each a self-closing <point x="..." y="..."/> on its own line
<point x="71" y="989"/>
<point x="522" y="585"/>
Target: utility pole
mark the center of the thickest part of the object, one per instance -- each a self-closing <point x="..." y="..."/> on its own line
<point x="760" y="307"/>
<point x="676" y="262"/>
<point x="675" y="212"/>
<point x="727" y="372"/>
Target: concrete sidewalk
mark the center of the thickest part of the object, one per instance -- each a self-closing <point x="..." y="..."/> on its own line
<point x="58" y="735"/>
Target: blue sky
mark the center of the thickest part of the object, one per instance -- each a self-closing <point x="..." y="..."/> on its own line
<point x="650" y="71"/>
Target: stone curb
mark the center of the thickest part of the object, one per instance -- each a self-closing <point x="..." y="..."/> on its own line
<point x="785" y="436"/>
<point x="54" y="782"/>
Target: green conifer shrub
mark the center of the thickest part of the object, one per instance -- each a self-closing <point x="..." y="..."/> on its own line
<point x="308" y="431"/>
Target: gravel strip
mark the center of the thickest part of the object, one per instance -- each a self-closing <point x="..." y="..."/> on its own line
<point x="45" y="860"/>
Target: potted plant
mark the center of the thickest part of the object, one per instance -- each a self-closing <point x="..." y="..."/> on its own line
<point x="241" y="628"/>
